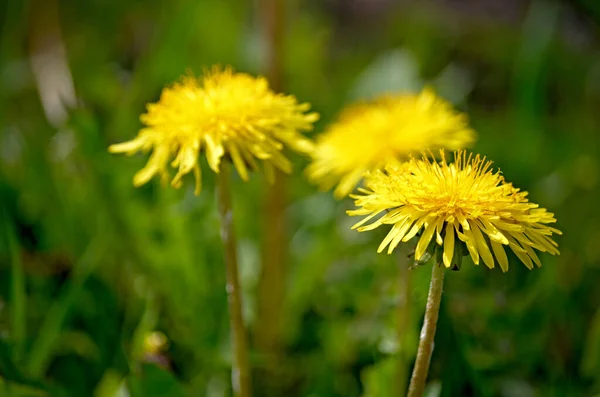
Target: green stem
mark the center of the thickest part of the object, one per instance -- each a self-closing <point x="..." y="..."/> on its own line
<point x="273" y="20"/>
<point x="403" y="317"/>
<point x="240" y="371"/>
<point x="269" y="325"/>
<point x="419" y="375"/>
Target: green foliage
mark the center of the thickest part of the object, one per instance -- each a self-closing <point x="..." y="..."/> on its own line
<point x="90" y="265"/>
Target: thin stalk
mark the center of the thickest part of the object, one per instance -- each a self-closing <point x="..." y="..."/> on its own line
<point x="403" y="317"/>
<point x="271" y="285"/>
<point x="240" y="370"/>
<point x="273" y="15"/>
<point x="421" y="369"/>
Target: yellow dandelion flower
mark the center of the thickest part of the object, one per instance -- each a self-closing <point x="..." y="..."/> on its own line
<point x="223" y="114"/>
<point x="465" y="200"/>
<point x="387" y="131"/>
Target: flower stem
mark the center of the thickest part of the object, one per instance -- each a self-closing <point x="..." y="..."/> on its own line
<point x="271" y="292"/>
<point x="403" y="317"/>
<point x="240" y="371"/>
<point x="419" y="375"/>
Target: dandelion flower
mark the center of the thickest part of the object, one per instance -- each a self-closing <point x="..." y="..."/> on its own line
<point x="223" y="114"/>
<point x="464" y="202"/>
<point x="387" y="131"/>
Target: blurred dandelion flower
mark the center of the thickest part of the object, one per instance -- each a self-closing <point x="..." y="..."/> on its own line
<point x="463" y="199"/>
<point x="387" y="131"/>
<point x="222" y="114"/>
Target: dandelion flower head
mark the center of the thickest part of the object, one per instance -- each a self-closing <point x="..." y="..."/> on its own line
<point x="464" y="202"/>
<point x="222" y="114"/>
<point x="386" y="131"/>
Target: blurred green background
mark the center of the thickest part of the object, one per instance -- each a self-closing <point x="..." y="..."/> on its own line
<point x="91" y="266"/>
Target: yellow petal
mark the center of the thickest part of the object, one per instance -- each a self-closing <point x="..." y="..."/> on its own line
<point x="462" y="221"/>
<point x="390" y="236"/>
<point x="533" y="256"/>
<point x="448" y="245"/>
<point x="214" y="152"/>
<point x="471" y="246"/>
<point x="438" y="230"/>
<point x="500" y="255"/>
<point x="366" y="219"/>
<point x="239" y="163"/>
<point x="414" y="230"/>
<point x="482" y="247"/>
<point x="424" y="240"/>
<point x="186" y="159"/>
<point x="157" y="162"/>
<point x="521" y="253"/>
<point x="493" y="233"/>
<point x="405" y="226"/>
<point x="129" y="147"/>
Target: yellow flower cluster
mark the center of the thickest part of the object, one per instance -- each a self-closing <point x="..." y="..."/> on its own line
<point x="222" y="114"/>
<point x="463" y="200"/>
<point x="386" y="131"/>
